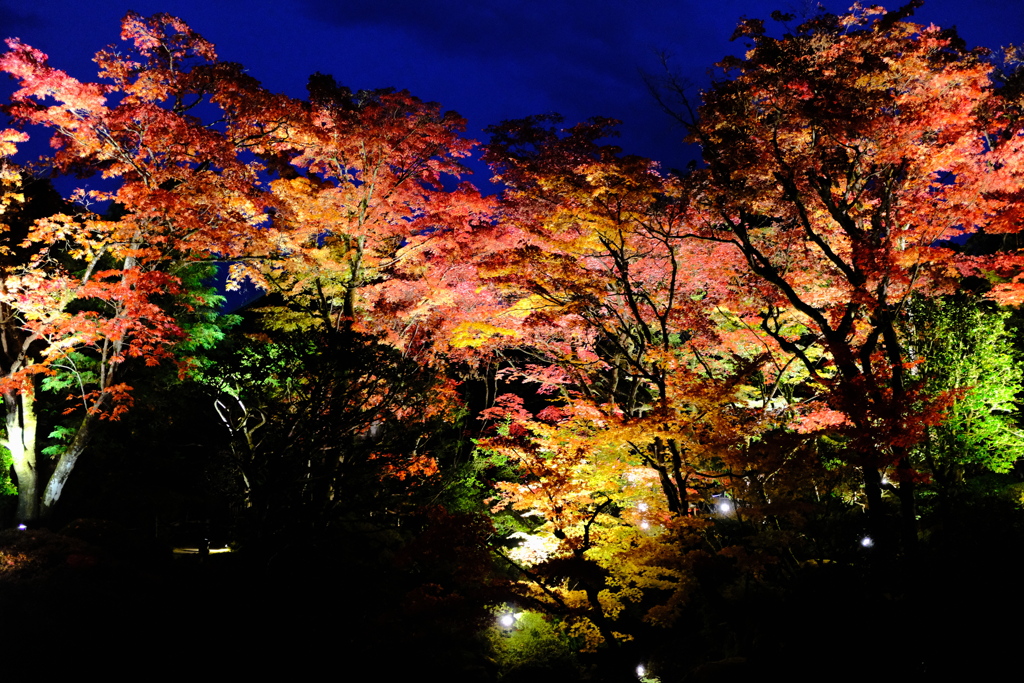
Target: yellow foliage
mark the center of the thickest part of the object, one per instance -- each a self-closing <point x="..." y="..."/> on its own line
<point x="473" y="334"/>
<point x="586" y="632"/>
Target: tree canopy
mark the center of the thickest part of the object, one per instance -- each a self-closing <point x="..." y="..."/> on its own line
<point x="637" y="395"/>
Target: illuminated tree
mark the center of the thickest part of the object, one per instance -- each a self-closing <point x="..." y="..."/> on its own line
<point x="373" y="236"/>
<point x="839" y="157"/>
<point x="656" y="381"/>
<point x="609" y="284"/>
<point x="81" y="290"/>
<point x="358" y="207"/>
<point x="967" y="351"/>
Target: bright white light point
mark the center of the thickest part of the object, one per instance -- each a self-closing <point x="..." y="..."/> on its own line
<point x="725" y="506"/>
<point x="645" y="525"/>
<point x="867" y="541"/>
<point x="641" y="670"/>
<point x="507" y="620"/>
<point x="22" y="527"/>
<point x="642" y="507"/>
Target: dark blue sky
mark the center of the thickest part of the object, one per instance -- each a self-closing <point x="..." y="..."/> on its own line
<point x="489" y="60"/>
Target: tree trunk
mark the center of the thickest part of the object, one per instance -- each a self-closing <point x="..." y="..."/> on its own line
<point x="876" y="517"/>
<point x="67" y="461"/>
<point x="20" y="422"/>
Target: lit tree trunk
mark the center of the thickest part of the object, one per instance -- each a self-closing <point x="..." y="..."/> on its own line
<point x="20" y="422"/>
<point x="66" y="463"/>
<point x="111" y="352"/>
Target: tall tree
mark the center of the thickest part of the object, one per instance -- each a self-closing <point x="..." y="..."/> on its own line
<point x="82" y="294"/>
<point x="68" y="322"/>
<point x="374" y="235"/>
<point x="656" y="387"/>
<point x="838" y="158"/>
<point x="615" y="295"/>
<point x="338" y="202"/>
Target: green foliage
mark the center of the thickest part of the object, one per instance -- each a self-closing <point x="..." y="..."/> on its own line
<point x="967" y="350"/>
<point x="62" y="436"/>
<point x="198" y="314"/>
<point x="7" y="487"/>
<point x="465" y="489"/>
<point x="532" y="643"/>
<point x="259" y="369"/>
<point x="71" y="374"/>
<point x="487" y="466"/>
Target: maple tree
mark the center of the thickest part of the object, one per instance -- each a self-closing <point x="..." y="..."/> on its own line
<point x="372" y="227"/>
<point x="838" y="158"/>
<point x="611" y="288"/>
<point x="82" y="295"/>
<point x="67" y="328"/>
<point x="373" y="236"/>
<point x="338" y="202"/>
<point x="656" y="389"/>
<point x="713" y="333"/>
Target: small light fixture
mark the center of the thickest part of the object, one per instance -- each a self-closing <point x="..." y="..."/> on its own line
<point x="22" y="527"/>
<point x="508" y="621"/>
<point x="867" y="542"/>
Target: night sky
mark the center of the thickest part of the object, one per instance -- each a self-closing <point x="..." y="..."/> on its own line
<point x="488" y="60"/>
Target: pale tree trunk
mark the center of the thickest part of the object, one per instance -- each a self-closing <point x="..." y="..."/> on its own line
<point x="20" y="423"/>
<point x="66" y="463"/>
<point x="111" y="350"/>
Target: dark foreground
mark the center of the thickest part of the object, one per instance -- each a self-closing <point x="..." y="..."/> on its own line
<point x="94" y="598"/>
